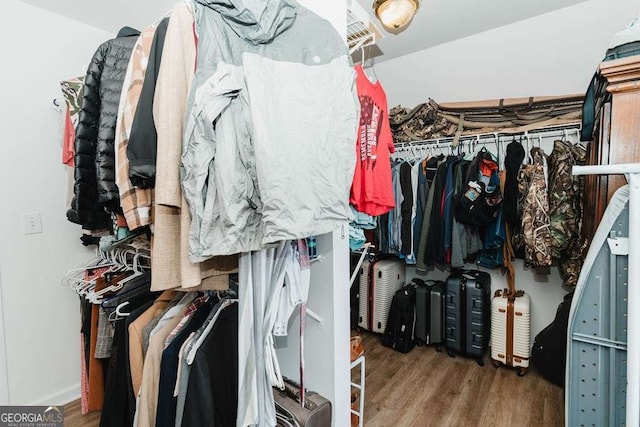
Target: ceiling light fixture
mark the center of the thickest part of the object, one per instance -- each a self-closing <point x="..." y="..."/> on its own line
<point x="395" y="14"/>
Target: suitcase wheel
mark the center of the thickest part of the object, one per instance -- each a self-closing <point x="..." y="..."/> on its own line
<point x="451" y="353"/>
<point x="522" y="372"/>
<point x="438" y="348"/>
<point x="496" y="364"/>
<point x="480" y="361"/>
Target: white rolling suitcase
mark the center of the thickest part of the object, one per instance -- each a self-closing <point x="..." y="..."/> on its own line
<point x="378" y="283"/>
<point x="511" y="330"/>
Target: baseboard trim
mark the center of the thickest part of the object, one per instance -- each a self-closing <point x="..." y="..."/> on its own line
<point x="62" y="397"/>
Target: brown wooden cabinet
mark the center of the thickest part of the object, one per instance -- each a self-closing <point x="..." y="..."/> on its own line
<point x="616" y="136"/>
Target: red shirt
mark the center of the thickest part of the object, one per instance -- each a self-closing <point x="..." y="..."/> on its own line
<point x="371" y="190"/>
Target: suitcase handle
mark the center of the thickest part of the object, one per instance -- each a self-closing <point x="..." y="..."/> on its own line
<point x="292" y="391"/>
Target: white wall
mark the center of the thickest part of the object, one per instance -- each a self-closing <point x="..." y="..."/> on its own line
<point x="551" y="54"/>
<point x="39" y="49"/>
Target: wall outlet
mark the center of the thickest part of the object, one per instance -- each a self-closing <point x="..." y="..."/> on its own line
<point x="32" y="223"/>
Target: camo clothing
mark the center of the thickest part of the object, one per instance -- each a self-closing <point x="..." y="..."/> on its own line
<point x="423" y="122"/>
<point x="535" y="211"/>
<point x="571" y="266"/>
<point x="565" y="209"/>
<point x="72" y="92"/>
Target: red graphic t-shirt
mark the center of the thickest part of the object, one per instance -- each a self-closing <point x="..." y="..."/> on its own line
<point x="371" y="190"/>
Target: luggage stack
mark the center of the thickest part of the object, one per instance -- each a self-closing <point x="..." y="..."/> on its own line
<point x="467" y="314"/>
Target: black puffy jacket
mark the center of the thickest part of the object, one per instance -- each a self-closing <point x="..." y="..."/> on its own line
<point x="95" y="186"/>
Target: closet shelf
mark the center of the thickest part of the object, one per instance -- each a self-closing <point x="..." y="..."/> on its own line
<point x="361" y="32"/>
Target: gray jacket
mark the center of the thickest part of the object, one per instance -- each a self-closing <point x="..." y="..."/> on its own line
<point x="269" y="142"/>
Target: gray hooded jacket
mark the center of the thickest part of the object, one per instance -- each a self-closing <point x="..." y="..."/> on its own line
<point x="270" y="135"/>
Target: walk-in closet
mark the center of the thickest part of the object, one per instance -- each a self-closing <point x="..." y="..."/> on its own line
<point x="239" y="213"/>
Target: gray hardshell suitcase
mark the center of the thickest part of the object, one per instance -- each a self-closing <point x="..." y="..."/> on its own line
<point x="429" y="312"/>
<point x="467" y="314"/>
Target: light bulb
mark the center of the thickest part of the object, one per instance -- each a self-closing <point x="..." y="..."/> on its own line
<point x="396" y="13"/>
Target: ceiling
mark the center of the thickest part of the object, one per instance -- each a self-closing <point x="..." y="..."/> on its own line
<point x="442" y="21"/>
<point x="437" y="21"/>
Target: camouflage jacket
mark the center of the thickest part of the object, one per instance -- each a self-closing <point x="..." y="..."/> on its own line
<point x="565" y="209"/>
<point x="532" y="183"/>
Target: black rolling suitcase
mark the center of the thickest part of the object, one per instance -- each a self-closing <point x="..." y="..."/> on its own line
<point x="399" y="331"/>
<point x="429" y="312"/>
<point x="467" y="314"/>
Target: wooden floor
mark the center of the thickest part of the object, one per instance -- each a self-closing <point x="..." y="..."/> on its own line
<point x="426" y="388"/>
<point x="73" y="416"/>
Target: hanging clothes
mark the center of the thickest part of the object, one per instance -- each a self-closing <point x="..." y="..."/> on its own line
<point x="420" y="203"/>
<point x="115" y="411"/>
<point x="566" y="209"/>
<point x="564" y="198"/>
<point x="136" y="352"/>
<point x="425" y="227"/>
<point x="72" y="92"/>
<point x="371" y="190"/>
<point x="430" y="171"/>
<point x="236" y="197"/>
<point x="94" y="162"/>
<point x="187" y="355"/>
<point x="406" y="209"/>
<point x="436" y="230"/>
<point x="535" y="212"/>
<point x="272" y="283"/>
<point x="135" y="202"/>
<point x="141" y="149"/>
<point x="512" y="162"/>
<point x="192" y="320"/>
<point x="211" y="396"/>
<point x="170" y="264"/>
<point x="147" y="401"/>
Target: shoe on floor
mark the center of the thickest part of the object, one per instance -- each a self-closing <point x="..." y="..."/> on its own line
<point x="357" y="349"/>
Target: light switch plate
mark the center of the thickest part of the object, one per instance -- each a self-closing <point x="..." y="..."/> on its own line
<point x="32" y="223"/>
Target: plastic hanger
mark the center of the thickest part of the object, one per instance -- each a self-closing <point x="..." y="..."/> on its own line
<point x="118" y="313"/>
<point x="96" y="297"/>
<point x="137" y="270"/>
<point x="80" y="269"/>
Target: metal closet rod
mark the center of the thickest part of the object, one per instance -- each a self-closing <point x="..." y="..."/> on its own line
<point x="490" y="138"/>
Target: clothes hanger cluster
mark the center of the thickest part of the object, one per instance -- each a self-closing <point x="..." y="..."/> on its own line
<point x="495" y="143"/>
<point x="118" y="266"/>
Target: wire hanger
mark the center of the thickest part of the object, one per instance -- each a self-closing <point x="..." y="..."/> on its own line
<point x="371" y="68"/>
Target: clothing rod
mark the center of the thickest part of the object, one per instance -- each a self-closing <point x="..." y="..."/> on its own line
<point x="547" y="132"/>
<point x="614" y="169"/>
